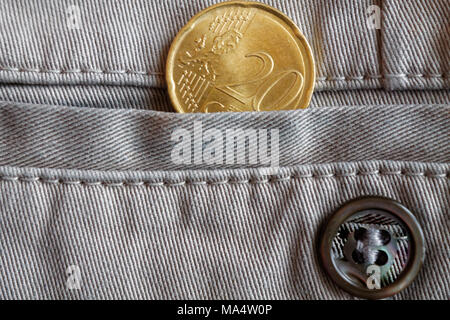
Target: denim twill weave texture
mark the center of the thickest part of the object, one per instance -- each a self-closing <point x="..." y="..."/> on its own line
<point x="86" y="179"/>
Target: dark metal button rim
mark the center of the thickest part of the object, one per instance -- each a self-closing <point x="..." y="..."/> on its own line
<point x="396" y="209"/>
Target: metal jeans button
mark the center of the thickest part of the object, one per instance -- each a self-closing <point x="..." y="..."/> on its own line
<point x="372" y="247"/>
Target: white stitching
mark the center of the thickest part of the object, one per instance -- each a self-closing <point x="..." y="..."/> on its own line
<point x="387" y="76"/>
<point x="418" y="75"/>
<point x="327" y="78"/>
<point x="61" y="71"/>
<point x="272" y="179"/>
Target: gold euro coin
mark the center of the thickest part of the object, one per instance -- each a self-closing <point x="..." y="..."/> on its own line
<point x="240" y="56"/>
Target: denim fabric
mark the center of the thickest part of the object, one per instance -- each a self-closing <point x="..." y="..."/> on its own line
<point x="87" y="179"/>
<point x="110" y="140"/>
<point x="201" y="234"/>
<point x="126" y="42"/>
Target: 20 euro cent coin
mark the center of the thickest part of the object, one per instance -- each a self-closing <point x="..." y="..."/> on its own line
<point x="240" y="56"/>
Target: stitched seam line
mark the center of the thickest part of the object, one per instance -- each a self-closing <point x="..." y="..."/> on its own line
<point x="137" y="72"/>
<point x="267" y="180"/>
<point x="96" y="71"/>
<point x="380" y="77"/>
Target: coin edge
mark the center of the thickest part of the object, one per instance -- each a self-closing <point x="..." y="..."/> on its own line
<point x="189" y="25"/>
